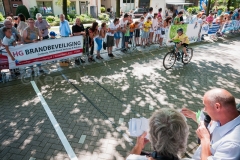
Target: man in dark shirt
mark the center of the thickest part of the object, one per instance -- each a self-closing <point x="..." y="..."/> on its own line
<point x="77" y="30"/>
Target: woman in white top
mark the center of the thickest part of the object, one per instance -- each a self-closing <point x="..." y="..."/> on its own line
<point x="154" y="27"/>
<point x="21" y="24"/>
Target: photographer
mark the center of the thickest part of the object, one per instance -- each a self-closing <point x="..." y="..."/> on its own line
<point x="42" y="25"/>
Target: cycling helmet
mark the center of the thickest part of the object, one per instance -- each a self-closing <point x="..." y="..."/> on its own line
<point x="180" y="30"/>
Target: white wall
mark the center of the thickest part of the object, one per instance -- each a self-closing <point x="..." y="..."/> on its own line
<point x="156" y="4"/>
<point x="177" y="1"/>
<point x="29" y="3"/>
<point x="126" y="7"/>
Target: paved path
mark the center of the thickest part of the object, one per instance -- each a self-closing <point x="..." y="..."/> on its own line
<point x="136" y="79"/>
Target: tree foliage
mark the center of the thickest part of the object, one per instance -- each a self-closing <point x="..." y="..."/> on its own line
<point x="23" y="9"/>
<point x="60" y="2"/>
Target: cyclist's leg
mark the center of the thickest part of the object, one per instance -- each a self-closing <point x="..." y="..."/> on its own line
<point x="185" y="48"/>
<point x="178" y="46"/>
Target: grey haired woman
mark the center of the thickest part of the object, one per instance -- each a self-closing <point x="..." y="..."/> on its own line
<point x="168" y="135"/>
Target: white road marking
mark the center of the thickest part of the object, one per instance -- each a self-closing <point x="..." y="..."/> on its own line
<point x="121" y="120"/>
<point x="150" y="108"/>
<point x="55" y="124"/>
<point x="82" y="139"/>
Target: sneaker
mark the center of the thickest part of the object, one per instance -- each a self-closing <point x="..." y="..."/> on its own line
<point x="82" y="61"/>
<point x="99" y="57"/>
<point x="112" y="55"/>
<point x="77" y="62"/>
<point x="124" y="50"/>
<point x="186" y="58"/>
<point x="89" y="59"/>
<point x="17" y="73"/>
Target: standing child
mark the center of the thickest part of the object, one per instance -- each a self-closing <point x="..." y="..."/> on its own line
<point x="127" y="36"/>
<point x="153" y="28"/>
<point x="145" y="33"/>
<point x="140" y="26"/>
<point x="133" y="26"/>
<point x="158" y="31"/>
<point x="162" y="32"/>
<point x="8" y="41"/>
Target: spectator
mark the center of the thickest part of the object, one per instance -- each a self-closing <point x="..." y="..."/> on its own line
<point x="42" y="25"/>
<point x="117" y="34"/>
<point x="15" y="22"/>
<point x="127" y="36"/>
<point x="8" y="24"/>
<point x="145" y="33"/>
<point x="121" y="12"/>
<point x="140" y="26"/>
<point x="112" y="29"/>
<point x="64" y="28"/>
<point x="145" y="16"/>
<point x="21" y="24"/>
<point x="167" y="22"/>
<point x="77" y="30"/>
<point x="181" y="18"/>
<point x="150" y="11"/>
<point x="160" y="32"/>
<point x="130" y="19"/>
<point x="220" y="140"/>
<point x="10" y="19"/>
<point x="166" y="13"/>
<point x="31" y="34"/>
<point x="210" y="18"/>
<point x="168" y="135"/>
<point x="176" y="20"/>
<point x="236" y="15"/>
<point x="136" y="32"/>
<point x="52" y="35"/>
<point x="123" y="24"/>
<point x="159" y="13"/>
<point x="201" y="21"/>
<point x="153" y="29"/>
<point x="93" y="32"/>
<point x="99" y="39"/>
<point x="8" y="41"/>
<point x="230" y="15"/>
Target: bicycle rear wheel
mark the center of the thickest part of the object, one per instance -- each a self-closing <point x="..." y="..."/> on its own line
<point x="189" y="57"/>
<point x="169" y="60"/>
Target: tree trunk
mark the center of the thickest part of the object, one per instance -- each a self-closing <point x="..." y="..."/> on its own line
<point x="229" y="4"/>
<point x="117" y="8"/>
<point x="64" y="8"/>
<point x="208" y="7"/>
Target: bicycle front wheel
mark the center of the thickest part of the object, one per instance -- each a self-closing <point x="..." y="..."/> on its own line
<point x="186" y="60"/>
<point x="169" y="60"/>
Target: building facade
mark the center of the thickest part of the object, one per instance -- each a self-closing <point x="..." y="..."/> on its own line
<point x="9" y="7"/>
<point x="50" y="7"/>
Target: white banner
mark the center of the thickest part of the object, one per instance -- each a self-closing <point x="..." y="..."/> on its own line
<point x="45" y="51"/>
<point x="191" y="30"/>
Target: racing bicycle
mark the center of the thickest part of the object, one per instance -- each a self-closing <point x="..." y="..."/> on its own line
<point x="176" y="54"/>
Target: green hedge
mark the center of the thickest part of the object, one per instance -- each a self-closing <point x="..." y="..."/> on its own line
<point x="103" y="16"/>
<point x="1" y="17"/>
<point x="193" y="10"/>
<point x="23" y="9"/>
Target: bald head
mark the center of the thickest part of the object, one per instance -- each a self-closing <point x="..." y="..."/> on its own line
<point x="220" y="96"/>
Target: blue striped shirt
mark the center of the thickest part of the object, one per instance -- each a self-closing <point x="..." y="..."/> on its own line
<point x="64" y="29"/>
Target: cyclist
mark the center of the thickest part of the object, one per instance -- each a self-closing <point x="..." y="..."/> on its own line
<point x="184" y="41"/>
